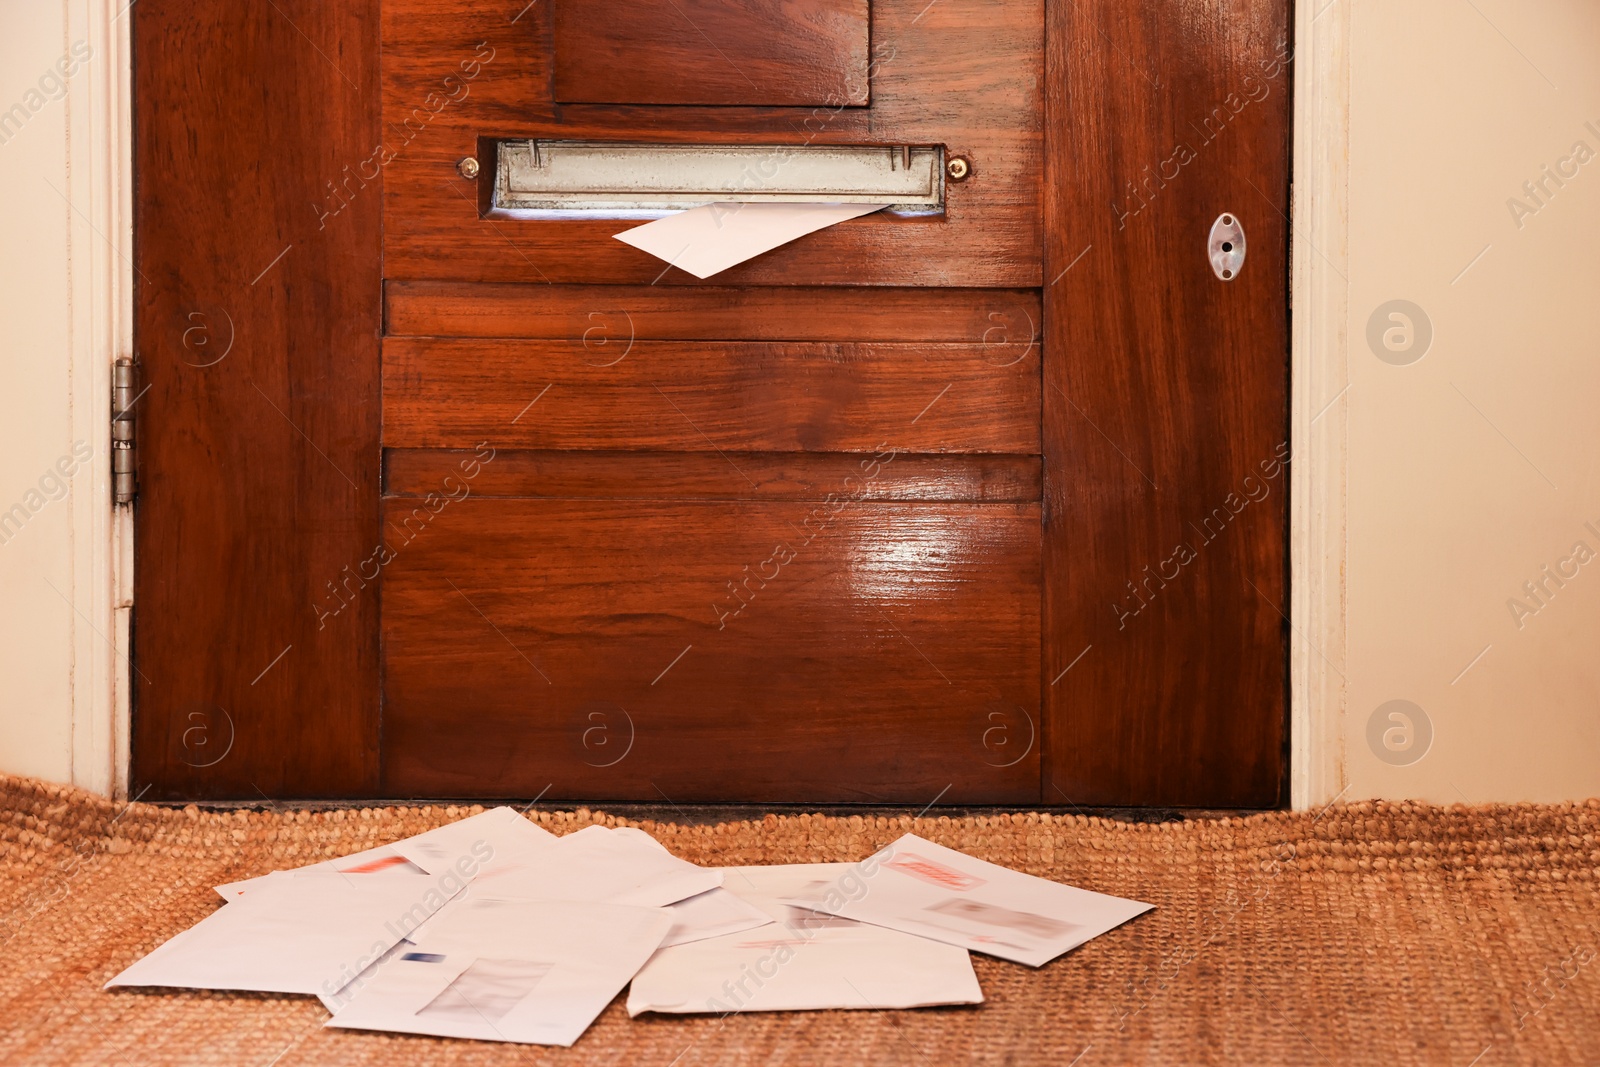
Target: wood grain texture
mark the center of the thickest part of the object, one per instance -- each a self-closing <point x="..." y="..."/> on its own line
<point x="258" y="437"/>
<point x="1166" y="406"/>
<point x="672" y="541"/>
<point x="790" y="52"/>
<point x="596" y="315"/>
<point x="766" y="652"/>
<point x="811" y="476"/>
<point x="962" y="73"/>
<point x="705" y="396"/>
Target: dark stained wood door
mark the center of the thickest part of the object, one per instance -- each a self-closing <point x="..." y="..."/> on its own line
<point x="441" y="501"/>
<point x="1166" y="415"/>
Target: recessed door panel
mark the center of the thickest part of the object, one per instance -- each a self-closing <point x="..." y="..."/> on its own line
<point x="809" y="650"/>
<point x="809" y="53"/>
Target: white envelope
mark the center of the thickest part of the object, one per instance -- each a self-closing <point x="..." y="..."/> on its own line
<point x="607" y="866"/>
<point x="926" y="889"/>
<point x="473" y="842"/>
<point x="308" y="934"/>
<point x="447" y="846"/>
<point x="802" y="960"/>
<point x="708" y="239"/>
<point x="712" y="914"/>
<point x="338" y="999"/>
<point x="499" y="970"/>
<point x="382" y="861"/>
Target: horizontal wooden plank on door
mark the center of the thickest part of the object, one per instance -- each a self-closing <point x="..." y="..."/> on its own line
<point x="598" y="315"/>
<point x="811" y="476"/>
<point x="713" y="651"/>
<point x="694" y="396"/>
<point x="966" y="74"/>
<point x="810" y="52"/>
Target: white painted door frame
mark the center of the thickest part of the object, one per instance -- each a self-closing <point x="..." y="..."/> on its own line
<point x="1319" y="408"/>
<point x="100" y="164"/>
<point x="100" y="266"/>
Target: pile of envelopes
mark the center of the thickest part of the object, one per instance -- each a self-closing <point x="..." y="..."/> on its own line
<point x="492" y="928"/>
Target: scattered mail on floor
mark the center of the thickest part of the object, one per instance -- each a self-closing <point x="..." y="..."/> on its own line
<point x="935" y="892"/>
<point x="509" y="970"/>
<point x="493" y="928"/>
<point x="803" y="959"/>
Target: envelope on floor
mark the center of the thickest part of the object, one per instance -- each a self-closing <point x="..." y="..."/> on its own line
<point x="308" y="934"/>
<point x="712" y="914"/>
<point x="926" y="889"/>
<point x="621" y="866"/>
<point x="383" y="860"/>
<point x="504" y="970"/>
<point x="473" y="842"/>
<point x="803" y="960"/>
<point x="460" y="844"/>
<point x="337" y="999"/>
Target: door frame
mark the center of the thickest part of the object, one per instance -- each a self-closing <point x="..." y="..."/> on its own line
<point x="100" y="259"/>
<point x="1319" y="382"/>
<point x="100" y="328"/>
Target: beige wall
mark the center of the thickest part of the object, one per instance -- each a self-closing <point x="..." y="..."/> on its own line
<point x="36" y="649"/>
<point x="1478" y="464"/>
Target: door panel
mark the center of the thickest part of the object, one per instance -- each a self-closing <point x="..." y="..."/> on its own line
<point x="797" y="652"/>
<point x="257" y="332"/>
<point x="808" y="54"/>
<point x="1166" y="413"/>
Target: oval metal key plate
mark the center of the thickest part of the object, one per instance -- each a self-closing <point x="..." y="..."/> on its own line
<point x="1226" y="246"/>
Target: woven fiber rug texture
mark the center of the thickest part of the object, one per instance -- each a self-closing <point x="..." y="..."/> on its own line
<point x="1369" y="933"/>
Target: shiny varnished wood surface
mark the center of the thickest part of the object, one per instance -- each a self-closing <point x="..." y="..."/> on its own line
<point x="1166" y="406"/>
<point x="845" y="650"/>
<point x="416" y="472"/>
<point x="258" y="435"/>
<point x="1002" y="319"/>
<point x="962" y="73"/>
<point x="784" y="537"/>
<point x="806" y="53"/>
<point x="739" y="396"/>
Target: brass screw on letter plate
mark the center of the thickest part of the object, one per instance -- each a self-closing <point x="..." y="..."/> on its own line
<point x="468" y="168"/>
<point x="959" y="168"/>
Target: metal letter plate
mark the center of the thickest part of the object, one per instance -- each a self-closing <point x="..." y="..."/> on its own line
<point x="616" y="179"/>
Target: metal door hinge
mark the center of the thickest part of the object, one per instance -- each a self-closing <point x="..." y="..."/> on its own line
<point x="124" y="465"/>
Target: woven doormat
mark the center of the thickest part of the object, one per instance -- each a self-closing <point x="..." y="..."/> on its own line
<point x="1377" y="933"/>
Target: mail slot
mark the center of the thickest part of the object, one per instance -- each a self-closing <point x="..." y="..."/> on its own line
<point x="596" y="177"/>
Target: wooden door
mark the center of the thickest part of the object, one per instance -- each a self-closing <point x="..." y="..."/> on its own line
<point x="440" y="501"/>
